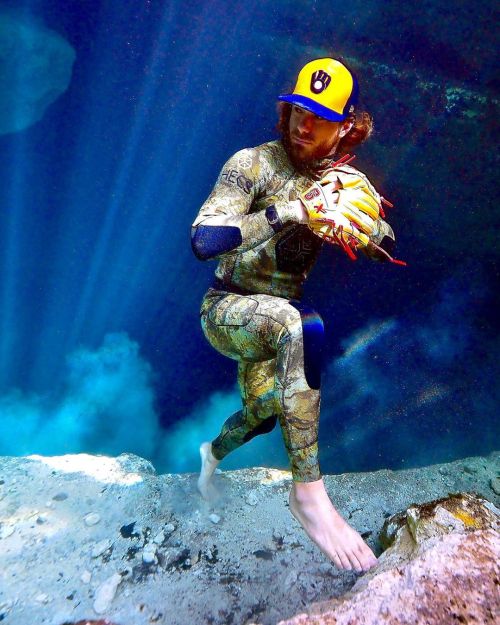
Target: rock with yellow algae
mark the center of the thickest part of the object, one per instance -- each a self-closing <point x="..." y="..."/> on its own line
<point x="441" y="567"/>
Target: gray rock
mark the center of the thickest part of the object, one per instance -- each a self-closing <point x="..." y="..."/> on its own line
<point x="135" y="464"/>
<point x="86" y="576"/>
<point x="495" y="485"/>
<point x="149" y="554"/>
<point x="252" y="498"/>
<point x="159" y="538"/>
<point x="105" y="593"/>
<point x="101" y="547"/>
<point x="42" y="598"/>
<point x="6" y="531"/>
<point x="92" y="519"/>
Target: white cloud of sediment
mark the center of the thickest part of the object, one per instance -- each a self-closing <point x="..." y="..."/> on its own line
<point x="106" y="406"/>
<point x="403" y="388"/>
<point x="36" y="66"/>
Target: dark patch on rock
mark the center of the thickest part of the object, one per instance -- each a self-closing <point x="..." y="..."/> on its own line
<point x="264" y="554"/>
<point x="213" y="559"/>
<point x="230" y="578"/>
<point x="227" y="616"/>
<point x="131" y="553"/>
<point x="141" y="571"/>
<point x="182" y="562"/>
<point x="127" y="531"/>
<point x="106" y="556"/>
<point x="146" y="533"/>
<point x="257" y="609"/>
<point x="60" y="497"/>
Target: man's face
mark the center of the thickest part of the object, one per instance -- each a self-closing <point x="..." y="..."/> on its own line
<point x="313" y="137"/>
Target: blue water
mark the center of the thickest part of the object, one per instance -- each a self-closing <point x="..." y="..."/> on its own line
<point x="115" y="119"/>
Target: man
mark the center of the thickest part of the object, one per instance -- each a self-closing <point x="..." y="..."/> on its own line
<point x="266" y="220"/>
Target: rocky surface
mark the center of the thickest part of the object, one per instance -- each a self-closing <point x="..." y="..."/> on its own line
<point x="99" y="538"/>
<point x="442" y="566"/>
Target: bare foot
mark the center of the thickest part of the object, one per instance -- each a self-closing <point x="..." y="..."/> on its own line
<point x="208" y="466"/>
<point x="311" y="506"/>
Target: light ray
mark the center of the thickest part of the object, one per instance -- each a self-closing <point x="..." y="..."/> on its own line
<point x="9" y="329"/>
<point x="167" y="218"/>
<point x="123" y="178"/>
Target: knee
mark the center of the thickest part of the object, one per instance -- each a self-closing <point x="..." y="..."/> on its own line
<point x="265" y="426"/>
<point x="312" y="332"/>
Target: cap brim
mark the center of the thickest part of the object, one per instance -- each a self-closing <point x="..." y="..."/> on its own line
<point x="312" y="106"/>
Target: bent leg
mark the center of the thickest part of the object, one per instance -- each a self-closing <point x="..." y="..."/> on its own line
<point x="263" y="327"/>
<point x="260" y="328"/>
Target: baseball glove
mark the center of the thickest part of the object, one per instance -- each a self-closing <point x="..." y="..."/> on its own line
<point x="343" y="208"/>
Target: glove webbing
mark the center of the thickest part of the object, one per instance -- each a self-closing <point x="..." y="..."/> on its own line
<point x="348" y="247"/>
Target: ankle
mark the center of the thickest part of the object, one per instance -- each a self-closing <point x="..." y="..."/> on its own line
<point x="211" y="457"/>
<point x="308" y="491"/>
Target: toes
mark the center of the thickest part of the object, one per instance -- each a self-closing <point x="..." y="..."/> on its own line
<point x="365" y="555"/>
<point x="337" y="561"/>
<point x="369" y="561"/>
<point x="356" y="560"/>
<point x="344" y="558"/>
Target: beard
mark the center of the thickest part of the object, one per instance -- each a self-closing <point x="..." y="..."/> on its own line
<point x="305" y="161"/>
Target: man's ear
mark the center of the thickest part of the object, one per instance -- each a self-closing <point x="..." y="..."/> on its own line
<point x="347" y="124"/>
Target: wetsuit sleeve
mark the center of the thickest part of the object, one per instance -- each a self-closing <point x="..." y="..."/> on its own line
<point x="224" y="224"/>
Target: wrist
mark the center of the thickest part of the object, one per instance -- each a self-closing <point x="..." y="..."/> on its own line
<point x="293" y="211"/>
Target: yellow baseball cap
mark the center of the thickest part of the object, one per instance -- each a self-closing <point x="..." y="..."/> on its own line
<point x="326" y="88"/>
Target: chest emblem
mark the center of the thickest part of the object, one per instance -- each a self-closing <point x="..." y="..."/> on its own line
<point x="297" y="250"/>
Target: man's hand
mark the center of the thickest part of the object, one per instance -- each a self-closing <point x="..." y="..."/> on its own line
<point x="293" y="211"/>
<point x="343" y="209"/>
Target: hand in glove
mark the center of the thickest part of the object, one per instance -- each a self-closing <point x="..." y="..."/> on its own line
<point x="342" y="208"/>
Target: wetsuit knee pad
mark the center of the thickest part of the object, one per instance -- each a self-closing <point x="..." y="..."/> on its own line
<point x="313" y="333"/>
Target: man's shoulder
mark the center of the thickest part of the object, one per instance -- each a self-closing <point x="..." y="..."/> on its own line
<point x="274" y="158"/>
<point x="268" y="150"/>
<point x="273" y="151"/>
<point x="262" y="161"/>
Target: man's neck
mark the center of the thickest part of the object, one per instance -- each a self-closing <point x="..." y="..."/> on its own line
<point x="313" y="168"/>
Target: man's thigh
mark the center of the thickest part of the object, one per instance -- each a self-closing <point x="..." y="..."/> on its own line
<point x="248" y="327"/>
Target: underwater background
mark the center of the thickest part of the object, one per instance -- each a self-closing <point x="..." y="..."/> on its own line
<point x="115" y="120"/>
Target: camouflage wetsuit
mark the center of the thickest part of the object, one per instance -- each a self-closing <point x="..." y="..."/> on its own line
<point x="253" y="313"/>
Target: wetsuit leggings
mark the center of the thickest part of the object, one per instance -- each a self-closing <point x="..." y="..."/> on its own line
<point x="277" y="343"/>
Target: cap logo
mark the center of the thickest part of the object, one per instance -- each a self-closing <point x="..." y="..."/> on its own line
<point x="320" y="81"/>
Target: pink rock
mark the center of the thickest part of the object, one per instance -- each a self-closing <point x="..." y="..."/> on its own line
<point x="433" y="574"/>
